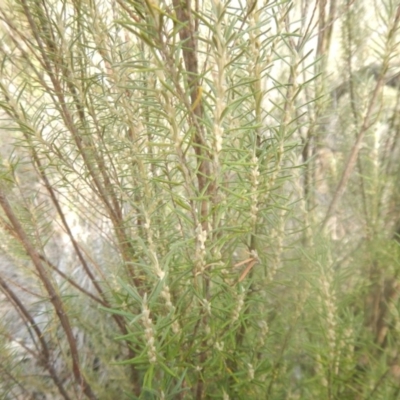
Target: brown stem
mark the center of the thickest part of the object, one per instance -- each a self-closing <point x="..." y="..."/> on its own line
<point x="85" y="150"/>
<point x="188" y="35"/>
<point x="352" y="157"/>
<point x="45" y="357"/>
<point x="365" y="126"/>
<point x="54" y="297"/>
<point x="48" y="57"/>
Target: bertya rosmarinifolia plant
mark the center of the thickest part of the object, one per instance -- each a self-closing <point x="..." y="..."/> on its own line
<point x="187" y="211"/>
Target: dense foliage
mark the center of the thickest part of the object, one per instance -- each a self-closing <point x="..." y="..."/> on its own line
<point x="199" y="200"/>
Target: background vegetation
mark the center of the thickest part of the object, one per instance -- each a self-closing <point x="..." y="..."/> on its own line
<point x="199" y="199"/>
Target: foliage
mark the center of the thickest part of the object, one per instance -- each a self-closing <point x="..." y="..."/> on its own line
<point x="198" y="199"/>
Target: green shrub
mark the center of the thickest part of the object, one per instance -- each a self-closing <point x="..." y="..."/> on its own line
<point x="194" y="205"/>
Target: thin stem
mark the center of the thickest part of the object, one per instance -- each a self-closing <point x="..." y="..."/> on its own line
<point x="53" y="296"/>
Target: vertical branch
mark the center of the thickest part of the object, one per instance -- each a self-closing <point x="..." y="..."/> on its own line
<point x="349" y="59"/>
<point x="309" y="149"/>
<point x="188" y="36"/>
<point x="325" y="26"/>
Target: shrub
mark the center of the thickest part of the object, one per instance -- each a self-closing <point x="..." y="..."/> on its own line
<point x="194" y="205"/>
